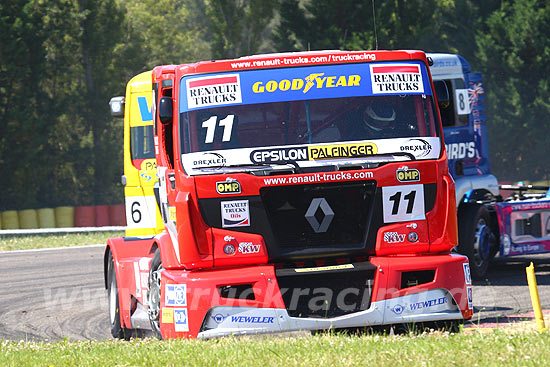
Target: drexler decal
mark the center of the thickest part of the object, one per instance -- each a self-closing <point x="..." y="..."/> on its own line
<point x="396" y="78"/>
<point x="213" y="91"/>
<point x="229" y="186"/>
<point x="406" y="174"/>
<point x="342" y="151"/>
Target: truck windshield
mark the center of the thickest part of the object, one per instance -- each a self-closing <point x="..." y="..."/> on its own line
<point x="311" y="114"/>
<point x="308" y="121"/>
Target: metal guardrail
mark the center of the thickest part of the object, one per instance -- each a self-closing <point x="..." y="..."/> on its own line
<point x="11" y="232"/>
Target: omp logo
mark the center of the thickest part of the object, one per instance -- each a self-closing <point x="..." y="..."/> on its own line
<point x="317" y="80"/>
<point x="342" y="151"/>
<point x="229" y="186"/>
<point x="406" y="174"/>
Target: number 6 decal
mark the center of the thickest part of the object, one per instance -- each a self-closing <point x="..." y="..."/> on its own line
<point x="403" y="203"/>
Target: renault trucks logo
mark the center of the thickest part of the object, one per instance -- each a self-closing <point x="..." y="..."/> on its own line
<point x="327" y="215"/>
<point x="213" y="91"/>
<point x="396" y="78"/>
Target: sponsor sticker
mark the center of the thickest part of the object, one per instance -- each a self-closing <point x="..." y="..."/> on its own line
<point x="406" y="174"/>
<point x="279" y="155"/>
<point x="210" y="159"/>
<point x="461" y="150"/>
<point x="167" y="316"/>
<point x="172" y="213"/>
<point x="180" y="319"/>
<point x="342" y="151"/>
<point x="214" y="90"/>
<point x="252" y="319"/>
<point x="398" y="309"/>
<point x="175" y="295"/>
<point x="469" y="291"/>
<point x="428" y="303"/>
<point x="417" y="147"/>
<point x="313" y="80"/>
<point x="229" y="186"/>
<point x="393" y="237"/>
<point x="235" y="213"/>
<point x="219" y="318"/>
<point x="467" y="274"/>
<point x="248" y="248"/>
<point x="396" y="78"/>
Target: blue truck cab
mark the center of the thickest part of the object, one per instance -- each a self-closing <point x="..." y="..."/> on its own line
<point x="463" y="116"/>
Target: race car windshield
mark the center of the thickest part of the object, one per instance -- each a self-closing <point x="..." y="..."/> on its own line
<point x="327" y="120"/>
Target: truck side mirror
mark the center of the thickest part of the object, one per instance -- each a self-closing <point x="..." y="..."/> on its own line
<point x="442" y="93"/>
<point x="166" y="110"/>
<point x="117" y="106"/>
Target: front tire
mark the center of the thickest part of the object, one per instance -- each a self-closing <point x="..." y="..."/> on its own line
<point x="153" y="296"/>
<point x="475" y="238"/>
<point x="117" y="331"/>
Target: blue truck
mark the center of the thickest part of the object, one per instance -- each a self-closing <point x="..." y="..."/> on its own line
<point x="488" y="224"/>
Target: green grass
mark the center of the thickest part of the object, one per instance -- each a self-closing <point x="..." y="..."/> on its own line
<point x="25" y="242"/>
<point x="497" y="348"/>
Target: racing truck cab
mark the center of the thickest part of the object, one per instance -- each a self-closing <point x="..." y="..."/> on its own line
<point x="298" y="191"/>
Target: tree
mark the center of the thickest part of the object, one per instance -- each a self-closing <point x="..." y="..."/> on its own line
<point x="514" y="54"/>
<point x="238" y="27"/>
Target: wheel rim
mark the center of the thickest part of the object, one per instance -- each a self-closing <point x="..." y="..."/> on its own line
<point x="481" y="243"/>
<point x="154" y="299"/>
<point x="112" y="302"/>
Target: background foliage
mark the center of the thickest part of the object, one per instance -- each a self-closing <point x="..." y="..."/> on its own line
<point x="62" y="60"/>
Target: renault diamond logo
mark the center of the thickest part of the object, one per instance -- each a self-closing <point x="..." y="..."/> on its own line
<point x="328" y="214"/>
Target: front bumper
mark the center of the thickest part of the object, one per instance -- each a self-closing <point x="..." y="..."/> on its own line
<point x="193" y="305"/>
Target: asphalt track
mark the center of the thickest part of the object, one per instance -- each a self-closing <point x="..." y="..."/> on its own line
<point x="59" y="293"/>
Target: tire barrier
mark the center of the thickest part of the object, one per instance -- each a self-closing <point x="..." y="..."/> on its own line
<point x="10" y="219"/>
<point x="117" y="214"/>
<point x="102" y="216"/>
<point x="84" y="216"/>
<point x="64" y="216"/>
<point x="28" y="219"/>
<point x="46" y="218"/>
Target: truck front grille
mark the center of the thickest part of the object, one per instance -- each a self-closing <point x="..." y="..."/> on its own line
<point x="318" y="293"/>
<point x="319" y="216"/>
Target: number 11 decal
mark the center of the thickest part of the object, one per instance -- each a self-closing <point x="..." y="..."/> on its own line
<point x="403" y="203"/>
<point x="210" y="125"/>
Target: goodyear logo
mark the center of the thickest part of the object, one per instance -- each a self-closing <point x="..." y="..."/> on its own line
<point x="313" y="80"/>
<point x="342" y="151"/>
<point x="228" y="186"/>
<point x="406" y="174"/>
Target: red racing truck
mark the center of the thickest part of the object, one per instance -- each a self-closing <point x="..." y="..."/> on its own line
<point x="299" y="191"/>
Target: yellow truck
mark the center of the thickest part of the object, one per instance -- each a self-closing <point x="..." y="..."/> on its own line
<point x="140" y="167"/>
